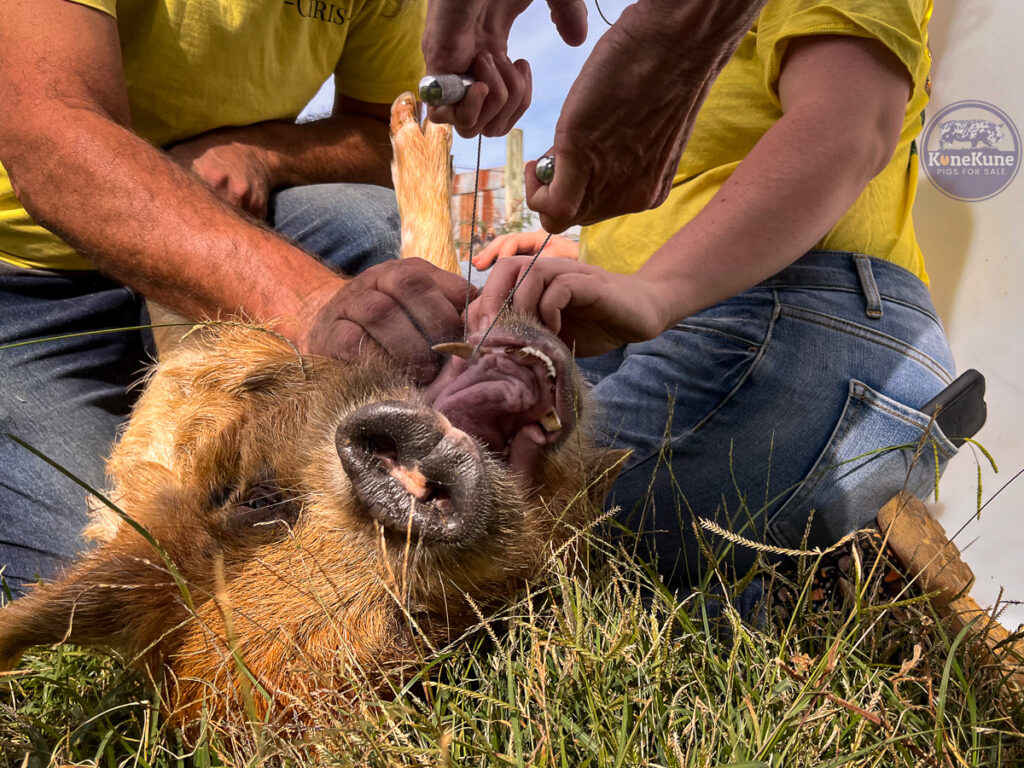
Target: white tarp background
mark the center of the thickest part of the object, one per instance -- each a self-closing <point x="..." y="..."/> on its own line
<point x="975" y="257"/>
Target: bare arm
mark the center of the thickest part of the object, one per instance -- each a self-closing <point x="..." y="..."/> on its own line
<point x="81" y="172"/>
<point x="630" y="112"/>
<point x="78" y="169"/>
<point x="843" y="100"/>
<point x="245" y="164"/>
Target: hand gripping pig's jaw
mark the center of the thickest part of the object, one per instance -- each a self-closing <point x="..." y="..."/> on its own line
<point x="416" y="474"/>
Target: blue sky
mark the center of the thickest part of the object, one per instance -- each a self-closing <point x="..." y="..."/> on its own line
<point x="555" y="66"/>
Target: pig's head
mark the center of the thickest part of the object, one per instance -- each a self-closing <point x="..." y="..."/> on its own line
<point x="308" y="513"/>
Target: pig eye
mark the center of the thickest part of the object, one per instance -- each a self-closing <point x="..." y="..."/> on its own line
<point x="263" y="505"/>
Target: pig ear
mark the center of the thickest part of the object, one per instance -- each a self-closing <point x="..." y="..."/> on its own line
<point x="112" y="598"/>
<point x="35" y="619"/>
<point x="606" y="471"/>
<point x="71" y="609"/>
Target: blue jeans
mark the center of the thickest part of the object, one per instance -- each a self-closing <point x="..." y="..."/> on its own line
<point x="778" y="402"/>
<point x="68" y="397"/>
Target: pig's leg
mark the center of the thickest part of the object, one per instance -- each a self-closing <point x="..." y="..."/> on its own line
<point x="421" y="170"/>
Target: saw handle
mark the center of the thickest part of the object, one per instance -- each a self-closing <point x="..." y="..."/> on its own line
<point x="935" y="562"/>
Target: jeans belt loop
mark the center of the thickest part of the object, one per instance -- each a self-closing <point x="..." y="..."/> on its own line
<point x="872" y="298"/>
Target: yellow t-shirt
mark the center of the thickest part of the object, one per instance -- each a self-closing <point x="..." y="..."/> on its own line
<point x="744" y="103"/>
<point x="195" y="65"/>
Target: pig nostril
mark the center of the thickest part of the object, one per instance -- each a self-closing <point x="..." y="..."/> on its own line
<point x="435" y="493"/>
<point x="384" y="447"/>
<point x="412" y="471"/>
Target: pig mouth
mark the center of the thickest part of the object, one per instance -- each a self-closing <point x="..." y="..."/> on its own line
<point x="432" y="470"/>
<point x="513" y="394"/>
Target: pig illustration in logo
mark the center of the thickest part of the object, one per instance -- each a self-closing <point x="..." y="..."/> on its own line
<point x="973" y="132"/>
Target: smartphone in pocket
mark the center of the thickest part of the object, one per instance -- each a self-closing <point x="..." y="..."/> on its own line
<point x="960" y="408"/>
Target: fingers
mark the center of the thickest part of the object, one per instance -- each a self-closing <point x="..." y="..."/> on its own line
<point x="492" y="105"/>
<point x="499" y="285"/>
<point x="570" y="19"/>
<point x="464" y="115"/>
<point x="236" y="177"/>
<point x="400" y="308"/>
<point x="491" y="253"/>
<point x="518" y="82"/>
<point x="382" y="317"/>
<point x="530" y="285"/>
<point x="567" y="288"/>
<point x="505" y="246"/>
<point x="432" y="299"/>
<point x="491" y="70"/>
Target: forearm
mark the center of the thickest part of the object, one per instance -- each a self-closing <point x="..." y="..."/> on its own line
<point x="630" y="112"/>
<point x="148" y="223"/>
<point x="779" y="202"/>
<point x="704" y="33"/>
<point x="347" y="148"/>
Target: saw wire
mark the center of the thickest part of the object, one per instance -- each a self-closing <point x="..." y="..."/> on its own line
<point x="508" y="301"/>
<point x="472" y="237"/>
<point x="469" y="273"/>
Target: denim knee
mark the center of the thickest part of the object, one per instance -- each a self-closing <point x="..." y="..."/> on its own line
<point x="351" y="227"/>
<point x="65" y="396"/>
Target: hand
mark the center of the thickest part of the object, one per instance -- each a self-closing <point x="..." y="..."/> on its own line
<point x="623" y="126"/>
<point x="525" y="244"/>
<point x="234" y="170"/>
<point x="400" y="308"/>
<point x="471" y="36"/>
<point x="592" y="310"/>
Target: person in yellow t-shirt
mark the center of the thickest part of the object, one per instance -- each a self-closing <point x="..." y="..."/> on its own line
<point x="141" y="144"/>
<point x="766" y="336"/>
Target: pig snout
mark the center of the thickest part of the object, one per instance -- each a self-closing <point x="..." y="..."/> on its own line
<point x="414" y="472"/>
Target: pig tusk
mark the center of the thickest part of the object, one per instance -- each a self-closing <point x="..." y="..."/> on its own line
<point x="550" y="421"/>
<point x="457" y="348"/>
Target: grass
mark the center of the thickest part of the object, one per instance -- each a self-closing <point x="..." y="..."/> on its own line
<point x="599" y="667"/>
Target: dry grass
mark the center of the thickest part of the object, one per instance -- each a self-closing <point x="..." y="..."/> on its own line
<point x="599" y="667"/>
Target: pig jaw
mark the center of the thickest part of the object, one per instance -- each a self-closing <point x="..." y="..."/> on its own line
<point x="329" y="590"/>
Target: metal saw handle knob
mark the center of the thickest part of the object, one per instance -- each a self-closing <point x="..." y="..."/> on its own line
<point x="545" y="169"/>
<point x="439" y="90"/>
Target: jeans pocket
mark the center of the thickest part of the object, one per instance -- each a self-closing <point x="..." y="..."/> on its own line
<point x="879" y="448"/>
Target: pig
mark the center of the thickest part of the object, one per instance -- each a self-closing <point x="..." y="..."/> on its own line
<point x="285" y="531"/>
<point x="302" y="516"/>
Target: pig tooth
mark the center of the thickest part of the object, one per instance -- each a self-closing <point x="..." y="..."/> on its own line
<point x="550" y="421"/>
<point x="458" y="348"/>
<point x="534" y="352"/>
